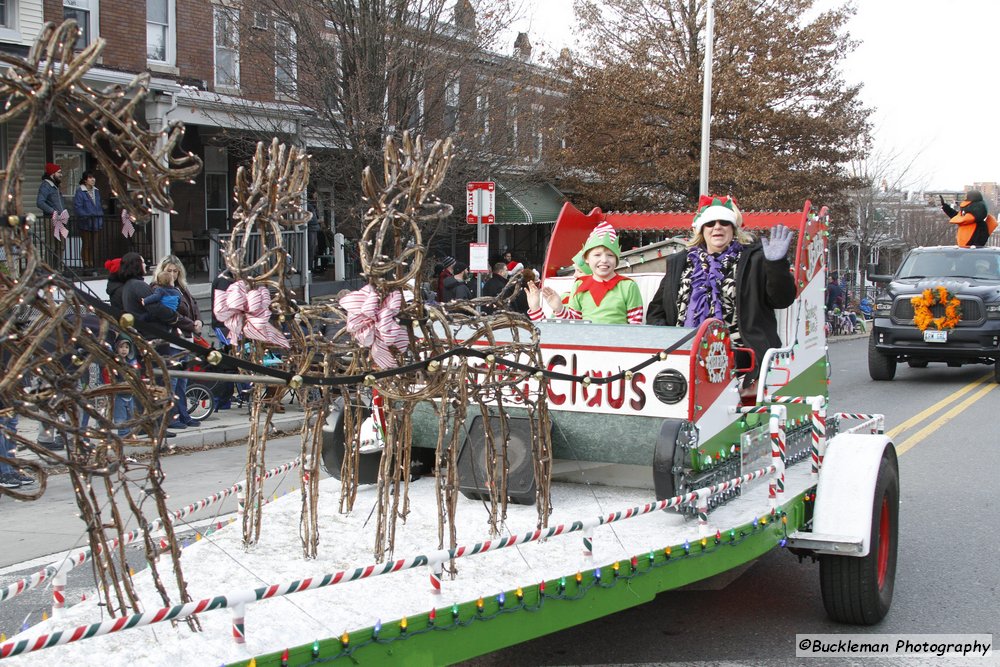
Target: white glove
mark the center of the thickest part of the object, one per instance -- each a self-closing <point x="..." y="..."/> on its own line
<point x="776" y="247"/>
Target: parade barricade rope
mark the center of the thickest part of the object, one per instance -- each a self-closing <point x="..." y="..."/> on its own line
<point x="80" y="557"/>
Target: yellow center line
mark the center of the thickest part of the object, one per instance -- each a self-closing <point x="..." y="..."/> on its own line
<point x="907" y="444"/>
<point x="919" y="417"/>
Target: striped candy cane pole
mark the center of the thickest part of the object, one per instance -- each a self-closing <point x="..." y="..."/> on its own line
<point x="776" y="424"/>
<point x="702" y="508"/>
<point x="437" y="569"/>
<point x="588" y="542"/>
<point x="818" y="404"/>
<point x="239" y="623"/>
<point x="59" y="594"/>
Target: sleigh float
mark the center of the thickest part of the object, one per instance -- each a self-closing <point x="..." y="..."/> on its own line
<point x="661" y="475"/>
<point x="720" y="479"/>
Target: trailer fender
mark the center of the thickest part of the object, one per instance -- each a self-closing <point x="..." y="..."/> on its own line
<point x="843" y="509"/>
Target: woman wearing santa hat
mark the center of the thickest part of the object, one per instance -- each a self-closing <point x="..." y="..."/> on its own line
<point x="727" y="275"/>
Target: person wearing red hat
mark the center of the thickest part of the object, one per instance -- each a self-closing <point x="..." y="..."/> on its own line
<point x="49" y="198"/>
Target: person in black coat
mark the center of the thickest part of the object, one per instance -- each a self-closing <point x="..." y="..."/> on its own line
<point x="727" y="275"/>
<point x="497" y="281"/>
<point x="135" y="289"/>
<point x="454" y="285"/>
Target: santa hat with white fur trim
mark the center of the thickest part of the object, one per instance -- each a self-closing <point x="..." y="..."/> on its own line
<point x="514" y="267"/>
<point x="717" y="208"/>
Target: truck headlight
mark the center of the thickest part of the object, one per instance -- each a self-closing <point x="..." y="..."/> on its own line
<point x="993" y="311"/>
<point x="883" y="306"/>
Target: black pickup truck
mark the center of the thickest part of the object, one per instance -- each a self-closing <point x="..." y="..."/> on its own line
<point x="972" y="275"/>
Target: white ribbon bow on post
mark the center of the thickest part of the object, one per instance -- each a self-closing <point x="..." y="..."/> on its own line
<point x="59" y="221"/>
<point x="128" y="229"/>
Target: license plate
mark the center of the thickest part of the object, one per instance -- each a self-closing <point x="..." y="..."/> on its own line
<point x="935" y="336"/>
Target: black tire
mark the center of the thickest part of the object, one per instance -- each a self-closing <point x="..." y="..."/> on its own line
<point x="916" y="363"/>
<point x="200" y="401"/>
<point x="996" y="371"/>
<point x="858" y="591"/>
<point x="880" y="366"/>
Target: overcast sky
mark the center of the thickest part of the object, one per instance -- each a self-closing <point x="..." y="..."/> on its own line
<point x="928" y="71"/>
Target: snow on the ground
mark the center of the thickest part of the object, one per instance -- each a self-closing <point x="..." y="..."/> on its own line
<point x="218" y="565"/>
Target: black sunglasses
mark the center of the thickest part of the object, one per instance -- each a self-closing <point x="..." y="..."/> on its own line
<point x="713" y="223"/>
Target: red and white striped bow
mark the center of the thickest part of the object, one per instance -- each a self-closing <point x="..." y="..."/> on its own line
<point x="373" y="326"/>
<point x="246" y="312"/>
<point x="59" y="221"/>
<point x="128" y="229"/>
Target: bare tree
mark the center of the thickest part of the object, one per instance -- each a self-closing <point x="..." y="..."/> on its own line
<point x="353" y="73"/>
<point x="784" y="122"/>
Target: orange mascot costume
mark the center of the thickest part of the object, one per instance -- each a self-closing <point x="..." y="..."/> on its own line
<point x="975" y="224"/>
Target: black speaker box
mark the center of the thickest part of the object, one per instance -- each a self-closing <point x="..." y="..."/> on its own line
<point x="334" y="448"/>
<point x="472" y="463"/>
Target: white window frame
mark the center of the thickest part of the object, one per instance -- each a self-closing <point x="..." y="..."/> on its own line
<point x="261" y="20"/>
<point x="171" y="41"/>
<point x="11" y="22"/>
<point x="537" y="111"/>
<point x="452" y="92"/>
<point x="415" y="120"/>
<point x="232" y="15"/>
<point x="93" y="9"/>
<point x="286" y="88"/>
<point x="483" y="105"/>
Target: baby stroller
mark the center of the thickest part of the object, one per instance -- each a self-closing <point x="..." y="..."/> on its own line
<point x="203" y="395"/>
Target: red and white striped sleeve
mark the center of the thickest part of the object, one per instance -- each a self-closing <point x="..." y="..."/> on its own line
<point x="633" y="302"/>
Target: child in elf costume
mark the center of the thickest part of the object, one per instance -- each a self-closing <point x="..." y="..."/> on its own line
<point x="603" y="296"/>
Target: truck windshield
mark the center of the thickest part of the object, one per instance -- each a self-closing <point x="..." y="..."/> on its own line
<point x="957" y="263"/>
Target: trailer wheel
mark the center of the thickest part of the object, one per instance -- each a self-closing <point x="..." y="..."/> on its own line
<point x="880" y="366"/>
<point x="859" y="590"/>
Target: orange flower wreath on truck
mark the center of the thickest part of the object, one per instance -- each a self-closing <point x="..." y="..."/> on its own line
<point x="922" y="316"/>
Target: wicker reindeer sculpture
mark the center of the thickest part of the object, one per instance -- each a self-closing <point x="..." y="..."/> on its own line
<point x="53" y="338"/>
<point x="445" y="355"/>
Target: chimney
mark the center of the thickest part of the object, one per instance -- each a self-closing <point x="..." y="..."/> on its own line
<point x="522" y="47"/>
<point x="465" y="16"/>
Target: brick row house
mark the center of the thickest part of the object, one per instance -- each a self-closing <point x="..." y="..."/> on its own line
<point x="236" y="73"/>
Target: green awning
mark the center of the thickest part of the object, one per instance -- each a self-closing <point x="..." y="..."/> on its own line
<point x="528" y="204"/>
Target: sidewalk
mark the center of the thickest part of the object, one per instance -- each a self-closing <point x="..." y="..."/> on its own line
<point x="224" y="428"/>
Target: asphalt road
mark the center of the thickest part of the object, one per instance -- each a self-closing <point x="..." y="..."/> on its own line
<point x="947" y="580"/>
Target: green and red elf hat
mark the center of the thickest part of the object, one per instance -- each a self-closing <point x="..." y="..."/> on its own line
<point x="602" y="235"/>
<point x="712" y="208"/>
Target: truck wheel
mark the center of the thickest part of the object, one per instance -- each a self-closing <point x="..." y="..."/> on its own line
<point x="880" y="366"/>
<point x="916" y="363"/>
<point x="859" y="590"/>
<point x="996" y="371"/>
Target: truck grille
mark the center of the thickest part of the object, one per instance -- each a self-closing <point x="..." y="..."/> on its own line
<point x="972" y="310"/>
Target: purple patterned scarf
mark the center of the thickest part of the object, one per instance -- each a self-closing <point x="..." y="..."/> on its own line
<point x="706" y="282"/>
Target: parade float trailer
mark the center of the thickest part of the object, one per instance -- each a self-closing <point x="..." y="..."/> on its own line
<point x="663" y="475"/>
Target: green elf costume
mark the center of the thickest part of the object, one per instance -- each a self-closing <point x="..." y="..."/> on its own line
<point x="613" y="301"/>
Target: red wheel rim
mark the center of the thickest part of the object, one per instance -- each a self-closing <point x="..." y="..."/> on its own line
<point x="883" y="542"/>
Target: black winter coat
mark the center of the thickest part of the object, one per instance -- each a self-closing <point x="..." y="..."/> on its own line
<point x="114" y="289"/>
<point x="761" y="287"/>
<point x="455" y="289"/>
<point x="135" y="291"/>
